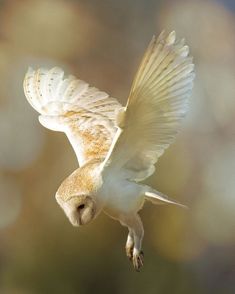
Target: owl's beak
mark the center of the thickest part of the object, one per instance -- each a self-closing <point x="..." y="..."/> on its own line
<point x="74" y="218"/>
<point x="72" y="214"/>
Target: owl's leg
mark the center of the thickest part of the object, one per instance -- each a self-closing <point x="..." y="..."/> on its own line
<point x="134" y="240"/>
<point x="130" y="245"/>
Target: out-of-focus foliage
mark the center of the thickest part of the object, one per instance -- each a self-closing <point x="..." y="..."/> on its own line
<point x="102" y="42"/>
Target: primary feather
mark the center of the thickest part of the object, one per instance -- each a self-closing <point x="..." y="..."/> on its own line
<point x="156" y="105"/>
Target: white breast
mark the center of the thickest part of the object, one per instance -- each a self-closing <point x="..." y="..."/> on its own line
<point x="121" y="196"/>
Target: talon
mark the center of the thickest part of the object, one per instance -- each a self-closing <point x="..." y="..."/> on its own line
<point x="138" y="260"/>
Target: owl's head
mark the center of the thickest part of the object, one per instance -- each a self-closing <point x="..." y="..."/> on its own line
<point x="80" y="209"/>
<point x="77" y="197"/>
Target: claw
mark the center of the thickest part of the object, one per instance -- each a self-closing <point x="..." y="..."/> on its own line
<point x="138" y="260"/>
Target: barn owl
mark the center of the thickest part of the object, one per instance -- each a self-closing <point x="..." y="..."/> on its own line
<point x="116" y="147"/>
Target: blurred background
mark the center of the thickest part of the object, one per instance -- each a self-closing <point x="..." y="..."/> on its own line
<point x="102" y="42"/>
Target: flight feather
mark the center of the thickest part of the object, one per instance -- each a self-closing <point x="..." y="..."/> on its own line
<point x="85" y="114"/>
<point x="156" y="105"/>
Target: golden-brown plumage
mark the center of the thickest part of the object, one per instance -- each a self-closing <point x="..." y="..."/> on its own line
<point x="81" y="182"/>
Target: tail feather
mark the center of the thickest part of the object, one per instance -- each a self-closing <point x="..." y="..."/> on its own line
<point x="158" y="198"/>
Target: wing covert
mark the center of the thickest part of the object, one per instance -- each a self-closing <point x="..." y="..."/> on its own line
<point x="85" y="114"/>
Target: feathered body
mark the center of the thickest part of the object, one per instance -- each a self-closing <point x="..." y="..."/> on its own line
<point x="116" y="146"/>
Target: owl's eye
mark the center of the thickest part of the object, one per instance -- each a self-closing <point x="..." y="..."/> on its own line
<point x="81" y="206"/>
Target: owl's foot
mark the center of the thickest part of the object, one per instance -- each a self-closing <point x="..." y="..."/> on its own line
<point x="137" y="259"/>
<point x="129" y="247"/>
<point x="134" y="240"/>
<point x="129" y="252"/>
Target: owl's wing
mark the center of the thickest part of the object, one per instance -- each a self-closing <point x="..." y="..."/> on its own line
<point x="85" y="114"/>
<point x="156" y="105"/>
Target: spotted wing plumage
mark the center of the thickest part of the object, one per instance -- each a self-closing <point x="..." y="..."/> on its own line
<point x="85" y="114"/>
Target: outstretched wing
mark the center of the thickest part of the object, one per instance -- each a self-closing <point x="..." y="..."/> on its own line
<point x="156" y="105"/>
<point x="85" y="114"/>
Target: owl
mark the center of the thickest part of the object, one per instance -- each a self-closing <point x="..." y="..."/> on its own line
<point x="116" y="147"/>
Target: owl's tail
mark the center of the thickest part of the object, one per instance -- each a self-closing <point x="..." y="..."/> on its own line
<point x="158" y="198"/>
